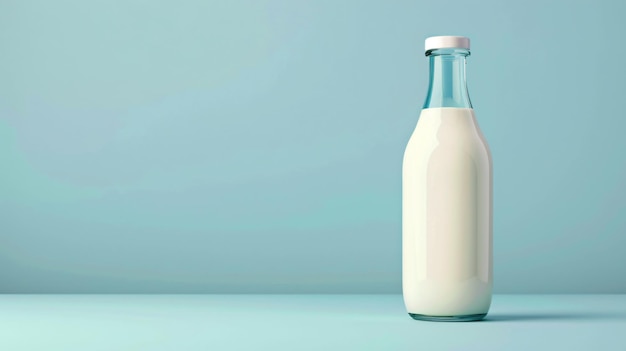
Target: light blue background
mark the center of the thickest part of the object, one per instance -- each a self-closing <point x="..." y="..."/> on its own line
<point x="231" y="146"/>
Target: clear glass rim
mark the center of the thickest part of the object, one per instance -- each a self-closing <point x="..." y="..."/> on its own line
<point x="448" y="51"/>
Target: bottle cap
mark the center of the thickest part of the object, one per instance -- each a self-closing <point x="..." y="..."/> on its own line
<point x="447" y="41"/>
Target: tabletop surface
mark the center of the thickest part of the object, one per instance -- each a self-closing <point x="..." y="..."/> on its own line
<point x="303" y="322"/>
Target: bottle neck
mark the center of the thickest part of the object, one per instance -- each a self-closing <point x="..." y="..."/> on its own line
<point x="447" y="87"/>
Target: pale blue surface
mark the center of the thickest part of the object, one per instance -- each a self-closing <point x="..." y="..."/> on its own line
<point x="302" y="322"/>
<point x="256" y="146"/>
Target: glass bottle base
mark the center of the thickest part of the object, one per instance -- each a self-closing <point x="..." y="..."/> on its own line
<point x="466" y="318"/>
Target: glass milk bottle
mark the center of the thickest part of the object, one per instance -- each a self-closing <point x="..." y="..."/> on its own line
<point x="447" y="198"/>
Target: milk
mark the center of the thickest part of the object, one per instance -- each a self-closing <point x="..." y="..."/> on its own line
<point x="446" y="216"/>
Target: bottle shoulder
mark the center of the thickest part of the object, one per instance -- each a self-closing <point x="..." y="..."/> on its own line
<point x="454" y="130"/>
<point x="446" y="122"/>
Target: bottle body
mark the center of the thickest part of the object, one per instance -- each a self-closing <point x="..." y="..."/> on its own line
<point x="447" y="217"/>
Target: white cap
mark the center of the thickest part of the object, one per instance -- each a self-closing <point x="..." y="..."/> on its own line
<point x="447" y="41"/>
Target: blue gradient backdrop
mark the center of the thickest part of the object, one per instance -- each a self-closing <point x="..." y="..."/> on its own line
<point x="231" y="146"/>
